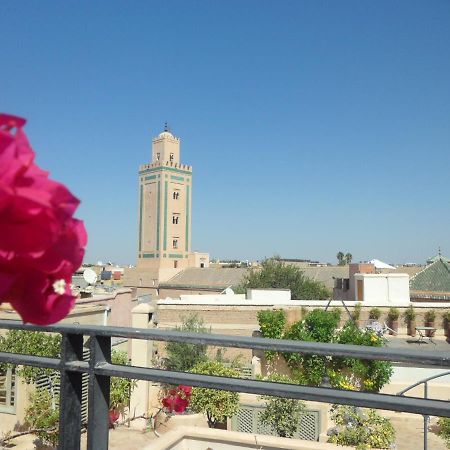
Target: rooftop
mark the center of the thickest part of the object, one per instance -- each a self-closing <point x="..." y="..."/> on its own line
<point x="433" y="278"/>
<point x="207" y="277"/>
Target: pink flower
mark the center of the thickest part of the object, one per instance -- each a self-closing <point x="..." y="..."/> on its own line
<point x="41" y="244"/>
<point x="177" y="400"/>
<point x="186" y="389"/>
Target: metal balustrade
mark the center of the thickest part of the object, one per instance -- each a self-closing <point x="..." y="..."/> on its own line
<point x="99" y="369"/>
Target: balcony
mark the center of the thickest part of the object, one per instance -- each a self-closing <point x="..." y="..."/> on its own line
<point x="99" y="369"/>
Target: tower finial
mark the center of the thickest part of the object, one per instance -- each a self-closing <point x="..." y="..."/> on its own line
<point x="439" y="251"/>
<point x="166" y="126"/>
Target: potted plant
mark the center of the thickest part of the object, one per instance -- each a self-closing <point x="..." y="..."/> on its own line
<point x="410" y="319"/>
<point x="446" y="322"/>
<point x="356" y="312"/>
<point x="430" y="317"/>
<point x="393" y="315"/>
<point x="375" y="313"/>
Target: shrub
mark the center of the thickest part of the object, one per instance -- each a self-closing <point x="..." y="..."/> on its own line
<point x="120" y="388"/>
<point x="283" y="415"/>
<point x="43" y="414"/>
<point x="360" y="428"/>
<point x="318" y="326"/>
<point x="393" y="314"/>
<point x="321" y="325"/>
<point x="304" y="311"/>
<point x="410" y="314"/>
<point x="446" y="315"/>
<point x="271" y="324"/>
<point x="182" y="356"/>
<point x="216" y="404"/>
<point x="444" y="430"/>
<point x="372" y="375"/>
<point x="338" y="313"/>
<point x="430" y="315"/>
<point x="374" y="313"/>
<point x="275" y="274"/>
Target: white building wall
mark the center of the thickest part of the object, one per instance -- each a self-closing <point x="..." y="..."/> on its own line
<point x="269" y="294"/>
<point x="384" y="289"/>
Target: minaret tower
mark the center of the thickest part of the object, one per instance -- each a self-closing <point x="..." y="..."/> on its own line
<point x="165" y="189"/>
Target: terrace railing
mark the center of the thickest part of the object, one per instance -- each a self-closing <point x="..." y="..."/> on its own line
<point x="99" y="368"/>
<point x="426" y="417"/>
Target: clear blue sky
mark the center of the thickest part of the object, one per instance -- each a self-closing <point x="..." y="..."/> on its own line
<point x="312" y="126"/>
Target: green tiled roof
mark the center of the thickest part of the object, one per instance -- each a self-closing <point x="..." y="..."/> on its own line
<point x="435" y="277"/>
<point x="437" y="258"/>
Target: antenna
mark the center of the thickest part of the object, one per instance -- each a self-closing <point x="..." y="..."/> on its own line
<point x="228" y="291"/>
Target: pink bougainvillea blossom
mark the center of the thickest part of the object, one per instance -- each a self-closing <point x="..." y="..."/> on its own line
<point x="177" y="400"/>
<point x="41" y="244"/>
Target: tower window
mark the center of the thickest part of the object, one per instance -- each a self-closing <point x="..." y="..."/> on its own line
<point x="158" y="156"/>
<point x="175" y="218"/>
<point x="176" y="194"/>
<point x="175" y="243"/>
<point x="175" y="264"/>
<point x="171" y="157"/>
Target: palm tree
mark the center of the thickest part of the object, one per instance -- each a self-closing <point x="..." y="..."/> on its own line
<point x="340" y="257"/>
<point x="348" y="258"/>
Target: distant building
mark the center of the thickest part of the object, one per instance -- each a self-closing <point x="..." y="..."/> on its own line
<point x="367" y="284"/>
<point x="433" y="282"/>
<point x="165" y="218"/>
<point x="202" y="281"/>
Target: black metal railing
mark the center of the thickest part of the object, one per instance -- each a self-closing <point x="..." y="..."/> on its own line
<point x="426" y="417"/>
<point x="99" y="368"/>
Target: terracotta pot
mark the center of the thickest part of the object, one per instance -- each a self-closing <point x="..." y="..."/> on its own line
<point x="412" y="328"/>
<point x="394" y="325"/>
<point x="430" y="324"/>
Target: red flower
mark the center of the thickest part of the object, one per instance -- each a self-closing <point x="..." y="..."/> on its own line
<point x="186" y="389"/>
<point x="41" y="244"/>
<point x="177" y="400"/>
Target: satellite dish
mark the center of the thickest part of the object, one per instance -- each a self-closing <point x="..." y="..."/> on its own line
<point x="90" y="276"/>
<point x="229" y="291"/>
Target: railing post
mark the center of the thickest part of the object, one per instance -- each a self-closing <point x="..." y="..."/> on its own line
<point x="70" y="394"/>
<point x="99" y="386"/>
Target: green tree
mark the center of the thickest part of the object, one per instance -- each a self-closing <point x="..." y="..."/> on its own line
<point x="31" y="343"/>
<point x="341" y="259"/>
<point x="344" y="259"/>
<point x="348" y="258"/>
<point x="216" y="404"/>
<point x="283" y="415"/>
<point x="275" y="274"/>
<point x="182" y="356"/>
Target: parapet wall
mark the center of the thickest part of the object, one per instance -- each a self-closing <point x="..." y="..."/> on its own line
<point x="239" y="317"/>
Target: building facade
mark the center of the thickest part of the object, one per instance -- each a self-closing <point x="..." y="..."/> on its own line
<point x="165" y="199"/>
